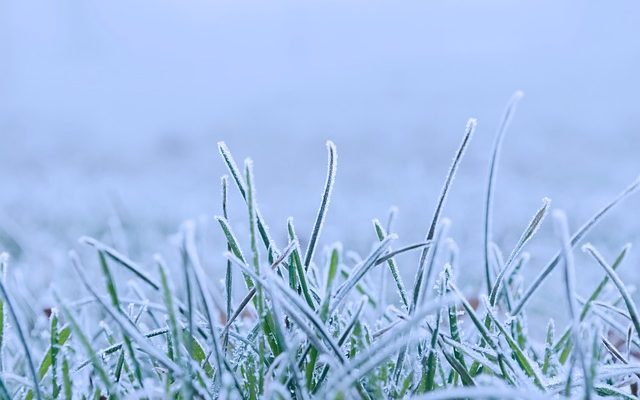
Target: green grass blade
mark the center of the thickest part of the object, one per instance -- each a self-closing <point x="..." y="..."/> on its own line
<point x="326" y="196"/>
<point x="402" y="291"/>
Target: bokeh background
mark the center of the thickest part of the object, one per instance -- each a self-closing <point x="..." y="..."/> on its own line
<point x="110" y="113"/>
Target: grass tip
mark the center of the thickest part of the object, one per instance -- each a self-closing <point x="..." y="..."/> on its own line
<point x="472" y="123"/>
<point x="331" y="146"/>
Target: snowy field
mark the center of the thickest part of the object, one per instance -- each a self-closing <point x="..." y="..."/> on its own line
<point x="110" y="113"/>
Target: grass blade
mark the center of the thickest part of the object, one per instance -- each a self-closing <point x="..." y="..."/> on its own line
<point x="575" y="239"/>
<point x="20" y="331"/>
<point x="562" y="230"/>
<point x="493" y="170"/>
<point x="326" y="196"/>
<point x="617" y="281"/>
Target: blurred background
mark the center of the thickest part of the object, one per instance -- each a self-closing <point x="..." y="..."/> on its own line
<point x="110" y="113"/>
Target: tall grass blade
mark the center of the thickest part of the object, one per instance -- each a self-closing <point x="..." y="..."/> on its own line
<point x="326" y="196"/>
<point x="575" y="239"/>
<point x="493" y="170"/>
<point x="562" y="229"/>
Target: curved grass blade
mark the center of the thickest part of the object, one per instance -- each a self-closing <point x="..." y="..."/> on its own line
<point x="528" y="233"/>
<point x="360" y="271"/>
<point x="628" y="301"/>
<point x="493" y="170"/>
<point x="575" y="239"/>
<point x="564" y="343"/>
<point x="326" y="196"/>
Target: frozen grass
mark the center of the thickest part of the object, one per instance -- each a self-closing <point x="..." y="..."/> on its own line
<point x="321" y="323"/>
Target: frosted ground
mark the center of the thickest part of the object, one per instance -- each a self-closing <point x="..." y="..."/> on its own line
<point x="107" y="113"/>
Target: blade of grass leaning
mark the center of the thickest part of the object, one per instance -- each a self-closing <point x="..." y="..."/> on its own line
<point x="360" y="271"/>
<point x="562" y="230"/>
<point x="402" y="291"/>
<point x="233" y="245"/>
<point x="563" y="344"/>
<point x="469" y="130"/>
<point x="493" y="170"/>
<point x="228" y="276"/>
<point x="236" y="174"/>
<point x="326" y="196"/>
<point x="120" y="259"/>
<point x="527" y="235"/>
<point x="249" y="296"/>
<point x="617" y="281"/>
<point x="21" y="335"/>
<point x="575" y="239"/>
<point x="300" y="268"/>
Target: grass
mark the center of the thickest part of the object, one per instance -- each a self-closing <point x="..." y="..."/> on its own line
<point x="319" y="324"/>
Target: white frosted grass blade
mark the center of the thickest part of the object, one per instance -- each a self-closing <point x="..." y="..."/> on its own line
<point x="326" y="197"/>
<point x="469" y="130"/>
<point x="615" y="278"/>
<point x="432" y="256"/>
<point x="528" y="233"/>
<point x="236" y="174"/>
<point x="575" y="239"/>
<point x="121" y="259"/>
<point x="562" y="230"/>
<point x="360" y="271"/>
<point x="402" y="291"/>
<point x="493" y="170"/>
<point x="17" y="319"/>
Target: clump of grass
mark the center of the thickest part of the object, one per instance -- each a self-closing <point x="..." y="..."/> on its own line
<point x="314" y="324"/>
